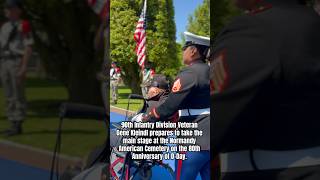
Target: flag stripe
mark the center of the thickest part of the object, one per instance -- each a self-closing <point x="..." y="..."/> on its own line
<point x="141" y="45"/>
<point x="141" y="38"/>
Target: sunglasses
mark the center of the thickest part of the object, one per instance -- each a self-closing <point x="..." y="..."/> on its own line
<point x="187" y="44"/>
<point x="158" y="85"/>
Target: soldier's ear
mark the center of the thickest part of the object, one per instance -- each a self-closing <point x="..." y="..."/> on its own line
<point x="194" y="50"/>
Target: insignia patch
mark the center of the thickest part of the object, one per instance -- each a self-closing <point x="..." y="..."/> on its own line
<point x="25" y="27"/>
<point x="218" y="73"/>
<point x="176" y="86"/>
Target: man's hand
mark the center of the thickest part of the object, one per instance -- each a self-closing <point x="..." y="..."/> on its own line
<point x="119" y="80"/>
<point x="149" y="118"/>
<point x="145" y="118"/>
<point x="21" y="75"/>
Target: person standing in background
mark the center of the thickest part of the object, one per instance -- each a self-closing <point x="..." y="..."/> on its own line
<point x="115" y="77"/>
<point x="147" y="76"/>
<point x="16" y="49"/>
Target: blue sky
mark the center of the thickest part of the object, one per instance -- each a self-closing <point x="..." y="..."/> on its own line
<point x="183" y="8"/>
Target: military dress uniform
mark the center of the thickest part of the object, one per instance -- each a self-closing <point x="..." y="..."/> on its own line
<point x="158" y="81"/>
<point x="14" y="38"/>
<point x="114" y="83"/>
<point x="147" y="76"/>
<point x="190" y="96"/>
<point x="265" y="94"/>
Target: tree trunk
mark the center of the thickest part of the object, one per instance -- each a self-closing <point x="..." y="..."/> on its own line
<point x="67" y="47"/>
<point x="87" y="90"/>
<point x="83" y="86"/>
<point x="132" y="78"/>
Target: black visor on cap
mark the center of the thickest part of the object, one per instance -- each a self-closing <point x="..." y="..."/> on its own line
<point x="201" y="48"/>
<point x="187" y="44"/>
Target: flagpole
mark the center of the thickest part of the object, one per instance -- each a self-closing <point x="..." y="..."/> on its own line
<point x="145" y="15"/>
<point x="145" y="5"/>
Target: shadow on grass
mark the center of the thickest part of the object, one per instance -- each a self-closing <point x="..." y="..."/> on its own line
<point x="63" y="132"/>
<point x="44" y="108"/>
<point x="41" y="109"/>
<point x="130" y="103"/>
<point x="122" y="87"/>
<point x="124" y="95"/>
<point x="40" y="83"/>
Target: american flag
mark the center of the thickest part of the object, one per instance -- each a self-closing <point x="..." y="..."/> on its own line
<point x="140" y="37"/>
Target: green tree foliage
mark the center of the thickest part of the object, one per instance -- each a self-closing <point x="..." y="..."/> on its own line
<point x="199" y="22"/>
<point x="163" y="49"/>
<point x="122" y="45"/>
<point x="161" y="45"/>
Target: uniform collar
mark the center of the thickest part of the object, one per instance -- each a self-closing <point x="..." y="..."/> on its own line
<point x="260" y="7"/>
<point x="196" y="62"/>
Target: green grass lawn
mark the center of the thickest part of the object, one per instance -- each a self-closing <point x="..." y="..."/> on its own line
<point x="44" y="98"/>
<point x="124" y="92"/>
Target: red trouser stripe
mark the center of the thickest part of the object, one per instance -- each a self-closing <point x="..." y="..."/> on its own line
<point x="179" y="167"/>
<point x="127" y="172"/>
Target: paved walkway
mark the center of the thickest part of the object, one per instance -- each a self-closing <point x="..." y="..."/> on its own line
<point x="24" y="162"/>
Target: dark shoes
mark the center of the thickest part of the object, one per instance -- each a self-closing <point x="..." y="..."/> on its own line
<point x="16" y="129"/>
<point x="114" y="102"/>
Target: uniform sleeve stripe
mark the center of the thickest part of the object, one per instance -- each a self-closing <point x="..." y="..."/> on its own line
<point x="155" y="113"/>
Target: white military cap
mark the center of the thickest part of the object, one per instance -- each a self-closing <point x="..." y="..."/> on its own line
<point x="192" y="39"/>
<point x="202" y="43"/>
